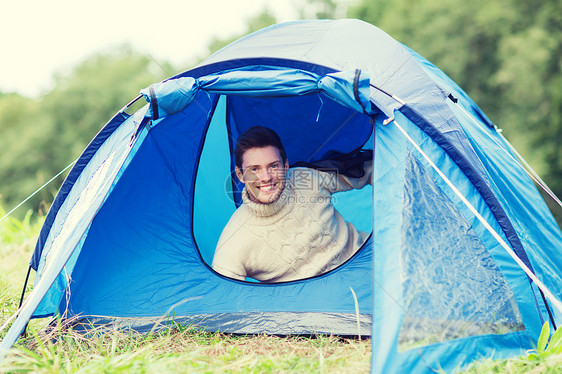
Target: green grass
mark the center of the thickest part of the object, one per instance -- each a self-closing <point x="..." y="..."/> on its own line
<point x="59" y="349"/>
<point x="546" y="359"/>
<point x="176" y="350"/>
<point x="17" y="241"/>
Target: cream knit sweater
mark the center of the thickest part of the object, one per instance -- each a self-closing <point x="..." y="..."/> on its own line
<point x="298" y="236"/>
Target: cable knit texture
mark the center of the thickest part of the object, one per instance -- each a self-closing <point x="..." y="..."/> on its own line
<point x="300" y="235"/>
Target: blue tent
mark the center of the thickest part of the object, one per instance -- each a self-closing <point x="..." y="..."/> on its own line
<point x="464" y="258"/>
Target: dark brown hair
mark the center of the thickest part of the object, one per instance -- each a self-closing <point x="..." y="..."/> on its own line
<point x="257" y="137"/>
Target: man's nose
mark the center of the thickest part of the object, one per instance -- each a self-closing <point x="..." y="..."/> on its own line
<point x="265" y="174"/>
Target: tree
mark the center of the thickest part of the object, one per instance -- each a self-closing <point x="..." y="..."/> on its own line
<point x="318" y="9"/>
<point x="40" y="138"/>
<point x="22" y="128"/>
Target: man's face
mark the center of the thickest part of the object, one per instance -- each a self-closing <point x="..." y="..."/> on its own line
<point x="263" y="173"/>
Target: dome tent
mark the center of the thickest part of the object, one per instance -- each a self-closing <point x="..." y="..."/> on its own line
<point x="464" y="254"/>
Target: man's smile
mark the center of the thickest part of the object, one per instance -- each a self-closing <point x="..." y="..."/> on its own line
<point x="267" y="187"/>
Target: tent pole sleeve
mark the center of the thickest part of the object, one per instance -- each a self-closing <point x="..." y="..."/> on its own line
<point x="555" y="302"/>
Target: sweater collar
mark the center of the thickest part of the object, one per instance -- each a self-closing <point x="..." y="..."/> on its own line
<point x="268" y="210"/>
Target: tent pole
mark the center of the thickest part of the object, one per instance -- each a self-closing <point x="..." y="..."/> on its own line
<point x="22" y="295"/>
<point x="24" y="286"/>
<point x="549" y="311"/>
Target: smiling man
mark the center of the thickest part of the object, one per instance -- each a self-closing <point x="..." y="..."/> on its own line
<point x="287" y="227"/>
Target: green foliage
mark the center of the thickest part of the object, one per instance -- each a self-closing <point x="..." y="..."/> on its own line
<point x="319" y="9"/>
<point x="41" y="137"/>
<point x="543" y="338"/>
<point x="547" y="344"/>
<point x="8" y="303"/>
<point x="556" y="341"/>
<point x="22" y="128"/>
<point x="17" y="241"/>
<point x="547" y="357"/>
<point x="13" y="230"/>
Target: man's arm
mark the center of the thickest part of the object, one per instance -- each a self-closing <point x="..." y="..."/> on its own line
<point x="337" y="182"/>
<point x="228" y="258"/>
<point x="227" y="273"/>
<point x="226" y="263"/>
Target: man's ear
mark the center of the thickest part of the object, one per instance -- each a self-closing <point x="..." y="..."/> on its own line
<point x="239" y="174"/>
<point x="286" y="164"/>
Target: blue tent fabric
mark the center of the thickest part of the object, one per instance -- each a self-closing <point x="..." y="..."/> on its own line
<point x="131" y="235"/>
<point x="398" y="326"/>
<point x="86" y="156"/>
<point x="348" y="88"/>
<point x="477" y="177"/>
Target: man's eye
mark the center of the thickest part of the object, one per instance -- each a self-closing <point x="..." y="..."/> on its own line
<point x="276" y="166"/>
<point x="254" y="170"/>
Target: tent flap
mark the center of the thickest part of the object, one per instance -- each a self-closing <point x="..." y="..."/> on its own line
<point x="350" y="89"/>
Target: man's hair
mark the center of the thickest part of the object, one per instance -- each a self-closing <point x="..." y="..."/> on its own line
<point x="257" y="137"/>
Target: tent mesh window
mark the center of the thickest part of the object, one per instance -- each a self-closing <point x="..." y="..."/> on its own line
<point x="451" y="285"/>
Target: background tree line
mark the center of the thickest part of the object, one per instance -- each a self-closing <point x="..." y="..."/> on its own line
<point x="507" y="54"/>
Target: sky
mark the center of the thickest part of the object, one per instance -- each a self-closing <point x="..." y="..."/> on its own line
<point x="39" y="37"/>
